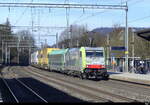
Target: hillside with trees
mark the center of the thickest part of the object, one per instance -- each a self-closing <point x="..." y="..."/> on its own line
<point x="98" y="37"/>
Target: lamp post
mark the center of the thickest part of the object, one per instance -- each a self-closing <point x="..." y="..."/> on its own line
<point x="6" y="53"/>
<point x="18" y="49"/>
<point x="133" y="33"/>
<point x="2" y="52"/>
<point x="57" y="40"/>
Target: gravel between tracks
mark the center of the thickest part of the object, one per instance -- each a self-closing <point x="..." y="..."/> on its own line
<point x="51" y="94"/>
<point x="119" y="88"/>
<point x="70" y="89"/>
<point x="92" y="90"/>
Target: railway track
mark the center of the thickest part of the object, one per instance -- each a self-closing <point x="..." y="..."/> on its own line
<point x="131" y="83"/>
<point x="21" y="92"/>
<point x="94" y="94"/>
<point x="140" y="91"/>
<point x="71" y="87"/>
<point x="1" y="100"/>
<point x="84" y="89"/>
<point x="123" y="82"/>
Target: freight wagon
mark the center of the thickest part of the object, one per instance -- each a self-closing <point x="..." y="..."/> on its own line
<point x="57" y="60"/>
<point x="44" y="57"/>
<point x="34" y="58"/>
<point x="40" y="58"/>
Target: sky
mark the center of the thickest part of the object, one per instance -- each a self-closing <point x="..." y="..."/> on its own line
<point x="138" y="16"/>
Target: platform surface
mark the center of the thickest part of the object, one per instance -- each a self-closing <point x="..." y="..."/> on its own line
<point x="131" y="77"/>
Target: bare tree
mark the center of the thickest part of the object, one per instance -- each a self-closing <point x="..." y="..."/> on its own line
<point x="74" y="32"/>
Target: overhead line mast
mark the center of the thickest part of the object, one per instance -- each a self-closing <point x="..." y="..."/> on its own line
<point x="87" y="6"/>
<point x="50" y="5"/>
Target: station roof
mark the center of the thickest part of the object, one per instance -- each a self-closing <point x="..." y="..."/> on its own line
<point x="62" y="51"/>
<point x="144" y="34"/>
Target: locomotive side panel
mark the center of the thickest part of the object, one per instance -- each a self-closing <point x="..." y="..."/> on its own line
<point x="73" y="60"/>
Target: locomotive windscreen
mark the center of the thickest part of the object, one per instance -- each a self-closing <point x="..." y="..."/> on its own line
<point x="94" y="54"/>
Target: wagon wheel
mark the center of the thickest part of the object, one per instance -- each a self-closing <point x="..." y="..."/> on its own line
<point x="80" y="75"/>
<point x="83" y="76"/>
<point x="106" y="77"/>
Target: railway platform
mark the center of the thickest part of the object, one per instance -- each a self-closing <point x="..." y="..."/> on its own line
<point x="130" y="77"/>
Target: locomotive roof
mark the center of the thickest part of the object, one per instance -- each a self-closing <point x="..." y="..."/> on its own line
<point x="61" y="51"/>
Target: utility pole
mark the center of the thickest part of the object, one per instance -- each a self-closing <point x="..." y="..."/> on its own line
<point x="126" y="41"/>
<point x="29" y="56"/>
<point x="133" y="33"/>
<point x="45" y="42"/>
<point x="71" y="36"/>
<point x="77" y="43"/>
<point x="6" y="53"/>
<point x="108" y="48"/>
<point x="2" y="52"/>
<point x="90" y="41"/>
<point x="18" y="48"/>
<point x="18" y="56"/>
<point x="68" y="28"/>
<point x="9" y="55"/>
<point x="41" y="44"/>
<point x="57" y="40"/>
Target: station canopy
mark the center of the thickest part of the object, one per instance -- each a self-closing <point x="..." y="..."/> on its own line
<point x="144" y="34"/>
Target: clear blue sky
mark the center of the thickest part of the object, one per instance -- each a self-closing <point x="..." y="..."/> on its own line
<point x="138" y="15"/>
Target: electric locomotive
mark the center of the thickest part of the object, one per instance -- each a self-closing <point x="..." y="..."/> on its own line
<point x="93" y="63"/>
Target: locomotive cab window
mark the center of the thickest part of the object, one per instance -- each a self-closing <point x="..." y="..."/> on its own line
<point x="94" y="54"/>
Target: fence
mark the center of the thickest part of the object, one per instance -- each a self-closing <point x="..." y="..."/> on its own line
<point x="137" y="66"/>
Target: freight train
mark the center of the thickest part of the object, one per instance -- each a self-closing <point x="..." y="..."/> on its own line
<point x="85" y="62"/>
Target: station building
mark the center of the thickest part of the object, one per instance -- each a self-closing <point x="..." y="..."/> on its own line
<point x="120" y="61"/>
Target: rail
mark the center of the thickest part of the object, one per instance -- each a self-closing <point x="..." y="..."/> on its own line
<point x="20" y="99"/>
<point x="86" y="87"/>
